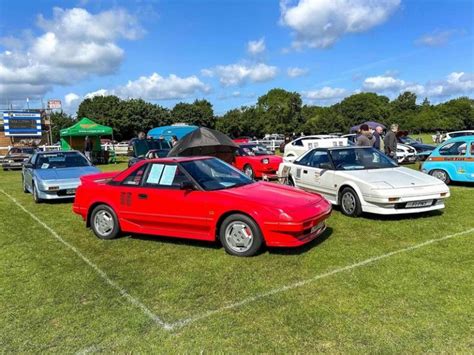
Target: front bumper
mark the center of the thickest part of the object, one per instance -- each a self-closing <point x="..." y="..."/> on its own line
<point x="295" y="234"/>
<point x="66" y="190"/>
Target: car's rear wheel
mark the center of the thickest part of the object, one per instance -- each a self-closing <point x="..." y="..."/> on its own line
<point x="289" y="181"/>
<point x="350" y="203"/>
<point x="248" y="170"/>
<point x="240" y="235"/>
<point x="441" y="175"/>
<point x="36" y="197"/>
<point x="104" y="222"/>
<point x="25" y="190"/>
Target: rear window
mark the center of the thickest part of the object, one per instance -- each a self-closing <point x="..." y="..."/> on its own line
<point x="453" y="148"/>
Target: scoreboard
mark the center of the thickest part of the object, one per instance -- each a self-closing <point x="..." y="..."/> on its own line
<point x="22" y="123"/>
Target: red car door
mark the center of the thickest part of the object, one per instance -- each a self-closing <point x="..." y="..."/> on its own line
<point x="160" y="207"/>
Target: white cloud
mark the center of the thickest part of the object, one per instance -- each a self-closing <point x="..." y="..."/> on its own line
<point x="71" y="98"/>
<point x="437" y="38"/>
<point x="294" y="72"/>
<point x="239" y="74"/>
<point x="382" y="83"/>
<point x="320" y="23"/>
<point x="326" y="93"/>
<point x="256" y="47"/>
<point x="156" y="87"/>
<point x="75" y="45"/>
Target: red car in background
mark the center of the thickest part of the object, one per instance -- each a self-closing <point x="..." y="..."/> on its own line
<point x="200" y="198"/>
<point x="256" y="161"/>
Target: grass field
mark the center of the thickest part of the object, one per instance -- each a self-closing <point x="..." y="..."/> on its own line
<point x="343" y="293"/>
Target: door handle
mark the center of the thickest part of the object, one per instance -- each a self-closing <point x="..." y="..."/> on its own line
<point x="142" y="196"/>
<point x="305" y="171"/>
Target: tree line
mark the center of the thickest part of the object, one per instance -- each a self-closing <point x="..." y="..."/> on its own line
<point x="278" y="111"/>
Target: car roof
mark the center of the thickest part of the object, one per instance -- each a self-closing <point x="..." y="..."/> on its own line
<point x="177" y="159"/>
<point x="460" y="139"/>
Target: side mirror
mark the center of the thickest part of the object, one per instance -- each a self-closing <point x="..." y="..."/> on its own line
<point x="325" y="166"/>
<point x="187" y="185"/>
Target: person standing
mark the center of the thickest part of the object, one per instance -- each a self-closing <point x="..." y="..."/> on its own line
<point x="88" y="147"/>
<point x="378" y="144"/>
<point x="390" y="142"/>
<point x="174" y="141"/>
<point x="365" y="138"/>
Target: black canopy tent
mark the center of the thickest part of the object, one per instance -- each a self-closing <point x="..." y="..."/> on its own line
<point x="205" y="142"/>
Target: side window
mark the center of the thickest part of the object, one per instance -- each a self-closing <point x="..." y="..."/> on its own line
<point x="454" y="148"/>
<point x="135" y="178"/>
<point x="298" y="143"/>
<point x="319" y="157"/>
<point x="472" y="149"/>
<point x="305" y="160"/>
<point x="165" y="176"/>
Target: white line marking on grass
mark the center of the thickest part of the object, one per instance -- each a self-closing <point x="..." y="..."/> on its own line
<point x="257" y="297"/>
<point x="102" y="274"/>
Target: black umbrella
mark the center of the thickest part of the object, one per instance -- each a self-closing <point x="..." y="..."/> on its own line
<point x="205" y="142"/>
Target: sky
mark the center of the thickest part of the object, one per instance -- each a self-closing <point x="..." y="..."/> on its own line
<point x="231" y="52"/>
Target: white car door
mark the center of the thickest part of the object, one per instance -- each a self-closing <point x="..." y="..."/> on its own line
<point x="318" y="174"/>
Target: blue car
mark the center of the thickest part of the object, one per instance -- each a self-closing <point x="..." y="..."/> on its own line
<point x="452" y="161"/>
<point x="55" y="175"/>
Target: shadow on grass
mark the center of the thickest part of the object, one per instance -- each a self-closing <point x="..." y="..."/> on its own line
<point x="215" y="245"/>
<point x="304" y="248"/>
<point x="396" y="217"/>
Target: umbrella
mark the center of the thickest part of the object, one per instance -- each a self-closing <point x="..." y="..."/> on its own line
<point x="371" y="124"/>
<point x="205" y="142"/>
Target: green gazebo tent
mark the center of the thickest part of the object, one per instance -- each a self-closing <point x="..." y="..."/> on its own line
<point x="73" y="137"/>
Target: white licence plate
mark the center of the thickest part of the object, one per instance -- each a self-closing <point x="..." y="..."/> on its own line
<point x="419" y="203"/>
<point x="70" y="191"/>
<point x="317" y="227"/>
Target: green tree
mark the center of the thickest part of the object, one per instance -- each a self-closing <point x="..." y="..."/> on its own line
<point x="362" y="107"/>
<point x="279" y="111"/>
<point x="199" y="113"/>
<point x="59" y="120"/>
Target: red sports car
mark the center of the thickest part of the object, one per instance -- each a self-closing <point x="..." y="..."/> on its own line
<point x="256" y="161"/>
<point x="200" y="198"/>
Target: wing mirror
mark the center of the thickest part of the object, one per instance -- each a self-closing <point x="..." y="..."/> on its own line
<point x="325" y="166"/>
<point x="187" y="185"/>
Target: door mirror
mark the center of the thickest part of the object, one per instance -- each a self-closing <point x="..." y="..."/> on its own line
<point x="187" y="185"/>
<point x="325" y="166"/>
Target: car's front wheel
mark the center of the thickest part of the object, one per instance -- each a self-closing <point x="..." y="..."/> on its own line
<point x="350" y="203"/>
<point x="36" y="197"/>
<point x="441" y="175"/>
<point x="248" y="170"/>
<point x="240" y="235"/>
<point x="104" y="222"/>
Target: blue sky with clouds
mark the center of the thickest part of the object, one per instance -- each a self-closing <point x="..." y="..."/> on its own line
<point x="230" y="52"/>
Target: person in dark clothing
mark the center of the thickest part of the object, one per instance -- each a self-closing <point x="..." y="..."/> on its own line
<point x="378" y="144"/>
<point x="365" y="138"/>
<point x="390" y="142"/>
<point x="88" y="147"/>
<point x="174" y="141"/>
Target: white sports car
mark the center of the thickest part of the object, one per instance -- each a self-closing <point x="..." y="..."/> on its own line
<point x="362" y="179"/>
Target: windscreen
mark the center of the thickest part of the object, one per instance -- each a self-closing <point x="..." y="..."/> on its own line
<point x="360" y="158"/>
<point x="214" y="174"/>
<point x="61" y="160"/>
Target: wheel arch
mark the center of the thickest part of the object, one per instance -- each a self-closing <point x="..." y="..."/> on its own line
<point x="351" y="185"/>
<point x="226" y="214"/>
<point x="91" y="208"/>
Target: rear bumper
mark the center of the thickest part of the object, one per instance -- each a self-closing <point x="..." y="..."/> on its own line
<point x="295" y="234"/>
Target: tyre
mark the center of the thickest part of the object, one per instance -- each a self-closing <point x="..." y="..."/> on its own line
<point x="104" y="222"/>
<point x="248" y="170"/>
<point x="289" y="181"/>
<point x="240" y="235"/>
<point x="25" y="190"/>
<point x="36" y="198"/>
<point x="350" y="203"/>
<point x="441" y="175"/>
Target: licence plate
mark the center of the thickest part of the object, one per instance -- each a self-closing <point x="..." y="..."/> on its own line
<point x="419" y="203"/>
<point x="317" y="227"/>
<point x="411" y="158"/>
<point x="70" y="191"/>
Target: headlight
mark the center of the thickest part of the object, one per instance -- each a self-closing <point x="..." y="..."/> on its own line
<point x="11" y="161"/>
<point x="26" y="159"/>
<point x="265" y="161"/>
